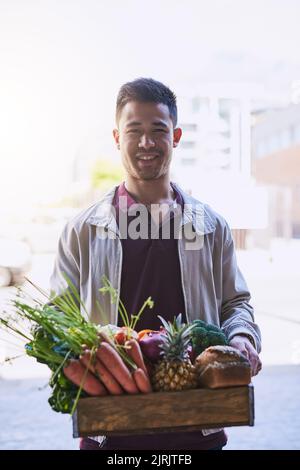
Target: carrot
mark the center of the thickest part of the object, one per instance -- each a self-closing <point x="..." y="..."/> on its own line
<point x="100" y="371"/>
<point x="113" y="362"/>
<point x="142" y="381"/>
<point x="76" y="373"/>
<point x="134" y="352"/>
<point x="88" y="361"/>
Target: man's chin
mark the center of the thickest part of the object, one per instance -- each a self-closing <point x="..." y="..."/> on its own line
<point x="149" y="174"/>
<point x="148" y="177"/>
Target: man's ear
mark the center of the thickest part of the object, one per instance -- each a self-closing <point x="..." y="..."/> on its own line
<point x="177" y="133"/>
<point x="116" y="136"/>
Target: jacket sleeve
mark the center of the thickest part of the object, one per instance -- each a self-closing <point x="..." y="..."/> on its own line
<point x="67" y="264"/>
<point x="237" y="315"/>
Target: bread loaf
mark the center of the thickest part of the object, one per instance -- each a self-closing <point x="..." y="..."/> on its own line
<point x="222" y="366"/>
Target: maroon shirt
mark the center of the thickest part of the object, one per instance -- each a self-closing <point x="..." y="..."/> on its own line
<point x="151" y="268"/>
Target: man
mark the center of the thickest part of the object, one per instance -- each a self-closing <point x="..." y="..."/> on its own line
<point x="192" y="271"/>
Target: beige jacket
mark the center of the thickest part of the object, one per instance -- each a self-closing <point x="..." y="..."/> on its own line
<point x="213" y="287"/>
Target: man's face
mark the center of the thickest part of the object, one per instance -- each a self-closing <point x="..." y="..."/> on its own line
<point x="146" y="138"/>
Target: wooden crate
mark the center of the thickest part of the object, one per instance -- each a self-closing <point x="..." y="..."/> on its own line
<point x="164" y="412"/>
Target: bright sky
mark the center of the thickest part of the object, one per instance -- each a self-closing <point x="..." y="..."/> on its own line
<point x="62" y="63"/>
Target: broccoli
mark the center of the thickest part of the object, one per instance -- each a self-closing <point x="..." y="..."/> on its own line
<point x="205" y="335"/>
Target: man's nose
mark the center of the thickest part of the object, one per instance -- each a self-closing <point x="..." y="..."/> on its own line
<point x="146" y="142"/>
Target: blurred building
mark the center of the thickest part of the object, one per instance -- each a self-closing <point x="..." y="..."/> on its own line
<point x="276" y="165"/>
<point x="213" y="160"/>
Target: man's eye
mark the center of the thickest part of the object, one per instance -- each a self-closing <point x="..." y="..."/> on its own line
<point x="132" y="131"/>
<point x="160" y="130"/>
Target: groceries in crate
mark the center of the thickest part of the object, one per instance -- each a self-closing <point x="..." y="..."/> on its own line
<point x="97" y="360"/>
<point x="174" y="352"/>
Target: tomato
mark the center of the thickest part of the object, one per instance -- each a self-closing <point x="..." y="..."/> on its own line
<point x="120" y="337"/>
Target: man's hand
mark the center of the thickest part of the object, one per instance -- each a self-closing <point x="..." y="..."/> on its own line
<point x="244" y="345"/>
<point x="80" y="376"/>
<point x="77" y="372"/>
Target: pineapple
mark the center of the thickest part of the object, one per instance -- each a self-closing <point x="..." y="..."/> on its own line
<point x="175" y="371"/>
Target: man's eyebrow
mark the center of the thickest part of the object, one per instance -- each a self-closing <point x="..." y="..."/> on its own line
<point x="133" y="123"/>
<point x="154" y="123"/>
<point x="160" y="123"/>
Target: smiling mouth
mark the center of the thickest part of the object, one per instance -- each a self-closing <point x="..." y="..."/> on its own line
<point x="146" y="157"/>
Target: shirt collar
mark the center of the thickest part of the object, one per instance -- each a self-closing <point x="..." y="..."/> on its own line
<point x="194" y="212"/>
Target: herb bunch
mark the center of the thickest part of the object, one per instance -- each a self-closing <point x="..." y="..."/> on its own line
<point x="53" y="333"/>
<point x="56" y="331"/>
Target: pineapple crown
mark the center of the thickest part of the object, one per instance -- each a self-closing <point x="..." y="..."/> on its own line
<point x="176" y="339"/>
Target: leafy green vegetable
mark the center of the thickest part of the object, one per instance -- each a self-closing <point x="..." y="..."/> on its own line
<point x="64" y="394"/>
<point x="205" y="335"/>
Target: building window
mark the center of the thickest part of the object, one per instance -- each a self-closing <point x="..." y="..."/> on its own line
<point x="296" y="230"/>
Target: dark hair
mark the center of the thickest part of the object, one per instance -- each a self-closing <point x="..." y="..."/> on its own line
<point x="146" y="90"/>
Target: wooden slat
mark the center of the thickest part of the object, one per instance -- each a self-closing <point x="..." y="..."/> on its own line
<point x="164" y="412"/>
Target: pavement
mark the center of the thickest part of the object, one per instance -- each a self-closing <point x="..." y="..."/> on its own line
<point x="277" y="412"/>
<point x="28" y="422"/>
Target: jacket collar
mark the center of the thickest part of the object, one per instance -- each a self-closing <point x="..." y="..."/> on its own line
<point x="195" y="212"/>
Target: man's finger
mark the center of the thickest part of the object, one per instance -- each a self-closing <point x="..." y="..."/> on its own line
<point x="88" y="361"/>
<point x="258" y="366"/>
<point x="255" y="363"/>
<point x="80" y="376"/>
<point x="112" y="385"/>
